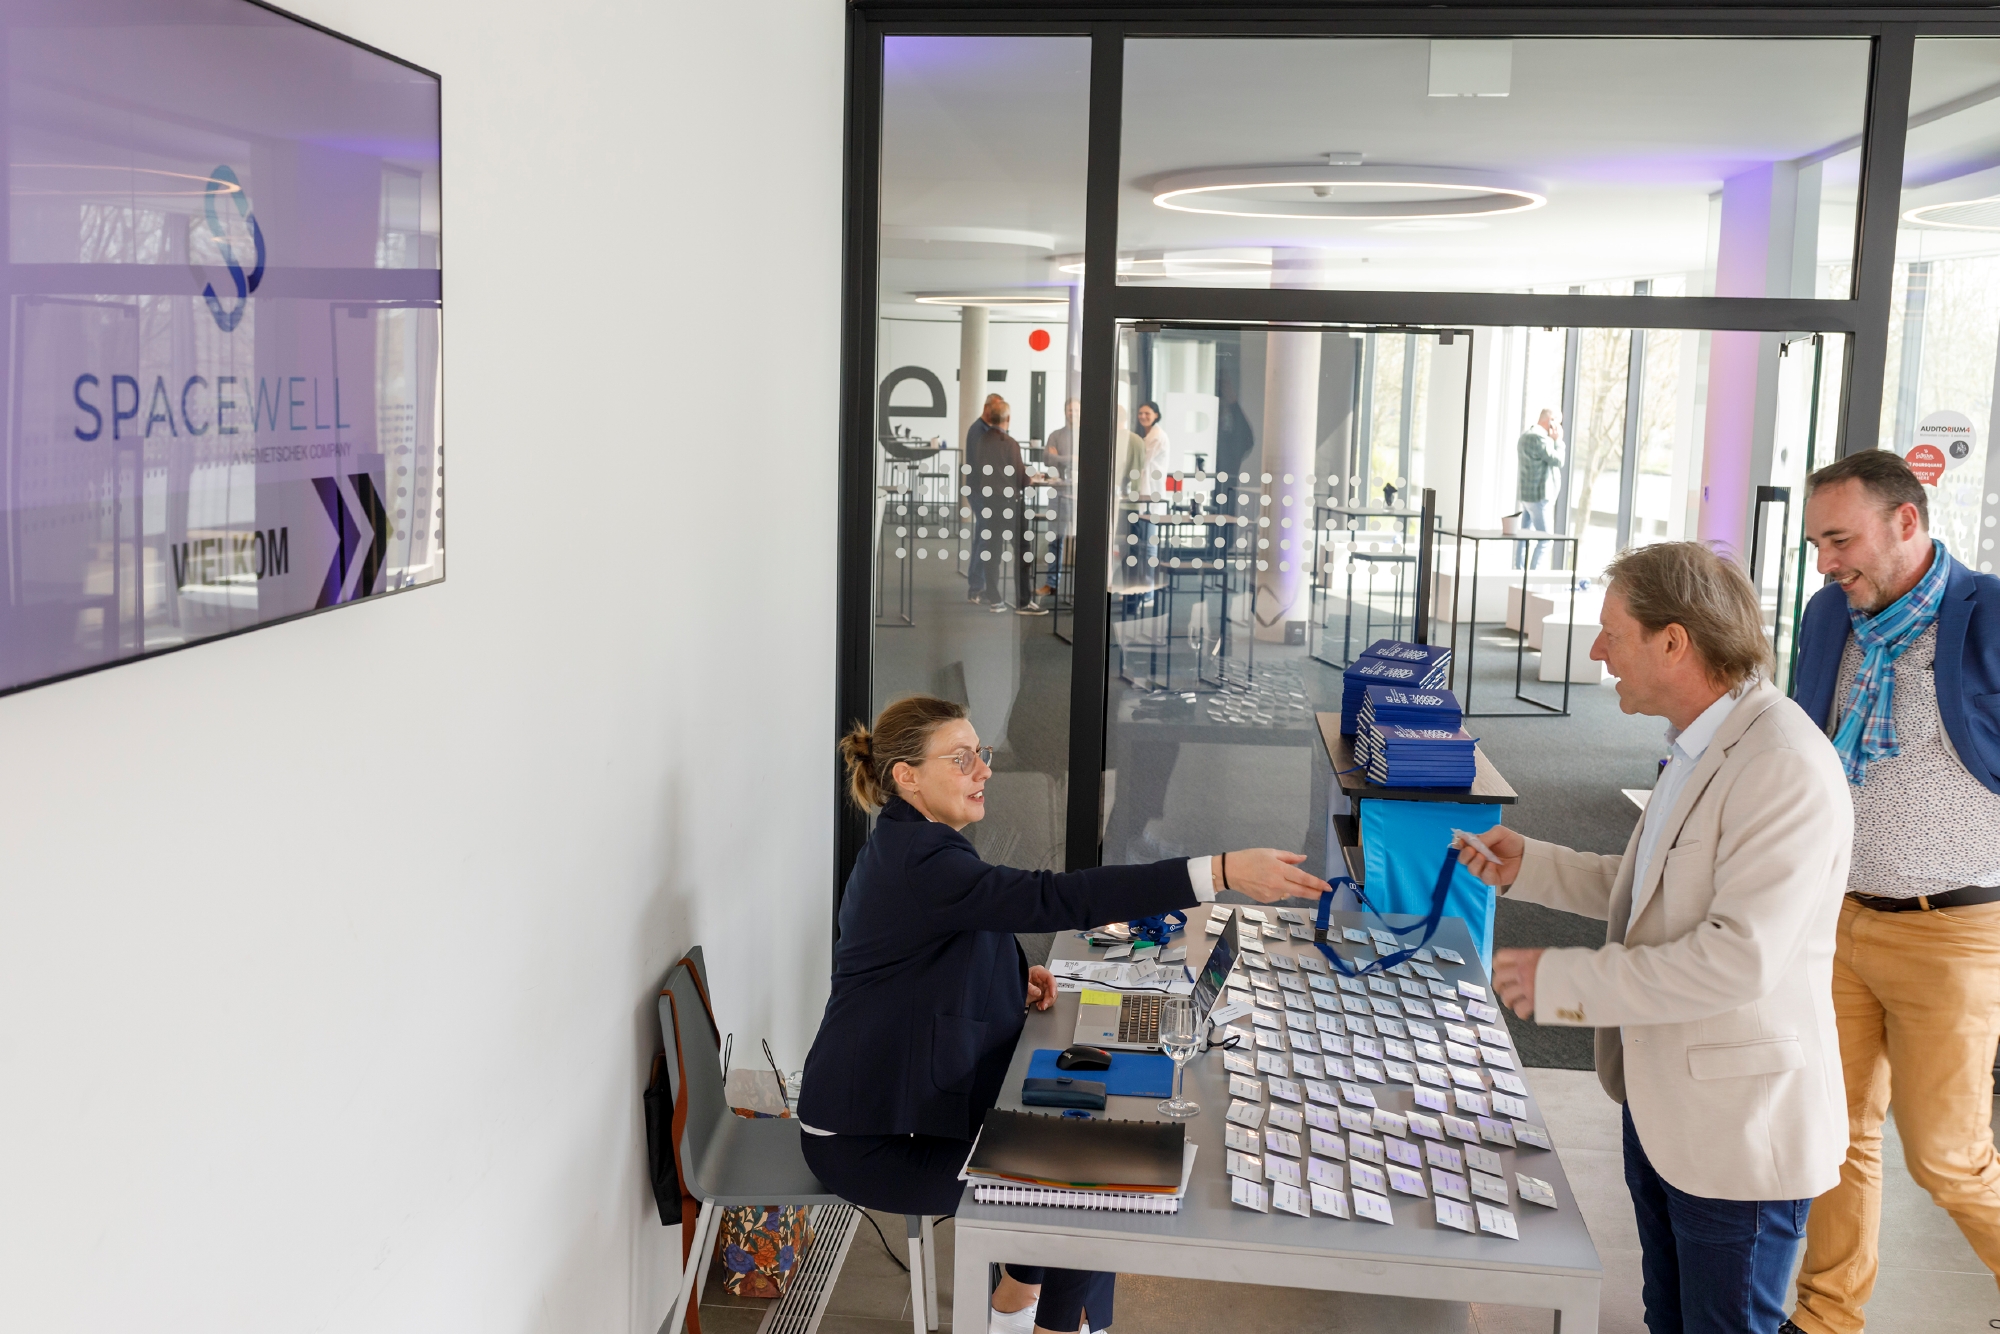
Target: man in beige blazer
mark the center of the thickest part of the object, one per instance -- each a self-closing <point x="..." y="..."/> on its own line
<point x="1712" y="996"/>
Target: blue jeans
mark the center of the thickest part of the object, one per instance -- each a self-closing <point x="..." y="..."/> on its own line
<point x="1710" y="1266"/>
<point x="1535" y="516"/>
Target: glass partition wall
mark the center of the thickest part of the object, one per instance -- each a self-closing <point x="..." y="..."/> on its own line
<point x="972" y="461"/>
<point x="1222" y="399"/>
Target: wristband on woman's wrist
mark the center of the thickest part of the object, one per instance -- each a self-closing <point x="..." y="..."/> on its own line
<point x="1223" y="862"/>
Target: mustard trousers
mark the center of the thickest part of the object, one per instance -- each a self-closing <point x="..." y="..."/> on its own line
<point x="1916" y="996"/>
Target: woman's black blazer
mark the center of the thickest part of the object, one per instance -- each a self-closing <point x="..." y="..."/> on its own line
<point x="929" y="984"/>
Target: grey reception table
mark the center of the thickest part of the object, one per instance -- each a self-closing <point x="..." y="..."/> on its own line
<point x="1553" y="1266"/>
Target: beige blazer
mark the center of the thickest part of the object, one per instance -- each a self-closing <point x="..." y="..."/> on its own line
<point x="1714" y="1009"/>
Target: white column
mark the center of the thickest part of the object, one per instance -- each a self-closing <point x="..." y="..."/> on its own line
<point x="1291" y="417"/>
<point x="1073" y="352"/>
<point x="1767" y="246"/>
<point x="971" y="368"/>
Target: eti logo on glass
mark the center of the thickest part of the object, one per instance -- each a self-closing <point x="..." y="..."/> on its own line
<point x="223" y="182"/>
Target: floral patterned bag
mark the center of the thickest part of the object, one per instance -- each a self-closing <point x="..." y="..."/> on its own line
<point x="760" y="1246"/>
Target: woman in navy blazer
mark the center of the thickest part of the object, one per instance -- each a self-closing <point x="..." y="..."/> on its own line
<point x="930" y="987"/>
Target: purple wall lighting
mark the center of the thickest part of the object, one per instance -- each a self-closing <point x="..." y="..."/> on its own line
<point x="221" y="337"/>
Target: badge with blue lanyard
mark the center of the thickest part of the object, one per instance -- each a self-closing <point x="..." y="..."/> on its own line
<point x="1428" y="926"/>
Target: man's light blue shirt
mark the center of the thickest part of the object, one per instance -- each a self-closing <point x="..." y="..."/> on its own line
<point x="1688" y="744"/>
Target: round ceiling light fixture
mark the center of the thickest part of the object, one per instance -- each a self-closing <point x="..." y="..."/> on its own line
<point x="1379" y="193"/>
<point x="1959" y="215"/>
<point x="995" y="300"/>
<point x="1188" y="264"/>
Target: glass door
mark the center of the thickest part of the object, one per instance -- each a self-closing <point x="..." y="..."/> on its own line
<point x="1267" y="492"/>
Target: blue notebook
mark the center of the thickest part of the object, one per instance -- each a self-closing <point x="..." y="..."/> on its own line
<point x="1132" y="1074"/>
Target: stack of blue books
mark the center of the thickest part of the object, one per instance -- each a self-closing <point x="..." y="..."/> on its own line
<point x="1395" y="706"/>
<point x="1421" y="757"/>
<point x="1390" y="662"/>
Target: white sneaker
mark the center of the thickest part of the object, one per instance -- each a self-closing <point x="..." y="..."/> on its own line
<point x="1031" y="610"/>
<point x="1016" y="1322"/>
<point x="1021" y="1322"/>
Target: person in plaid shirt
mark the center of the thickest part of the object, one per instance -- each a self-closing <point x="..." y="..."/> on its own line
<point x="1539" y="458"/>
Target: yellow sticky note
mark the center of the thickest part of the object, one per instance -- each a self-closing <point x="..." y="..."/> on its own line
<point x="1102" y="998"/>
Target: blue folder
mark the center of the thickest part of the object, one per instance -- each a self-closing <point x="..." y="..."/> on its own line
<point x="1132" y="1074"/>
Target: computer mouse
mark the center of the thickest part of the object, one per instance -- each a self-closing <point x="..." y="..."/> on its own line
<point x="1081" y="1057"/>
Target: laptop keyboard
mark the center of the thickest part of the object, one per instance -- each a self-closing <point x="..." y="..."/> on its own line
<point x="1139" y="1019"/>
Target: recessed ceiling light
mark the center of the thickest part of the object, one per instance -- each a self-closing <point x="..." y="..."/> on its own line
<point x="1959" y="215"/>
<point x="1373" y="193"/>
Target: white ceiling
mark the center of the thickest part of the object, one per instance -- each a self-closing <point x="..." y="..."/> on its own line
<point x="1630" y="137"/>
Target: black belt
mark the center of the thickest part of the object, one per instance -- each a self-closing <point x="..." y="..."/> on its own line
<point x="1951" y="898"/>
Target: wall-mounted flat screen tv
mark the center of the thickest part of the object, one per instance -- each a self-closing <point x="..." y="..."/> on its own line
<point x="220" y="344"/>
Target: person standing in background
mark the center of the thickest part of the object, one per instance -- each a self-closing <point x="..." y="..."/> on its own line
<point x="1154" y="459"/>
<point x="1540" y="451"/>
<point x="1233" y="441"/>
<point x="1010" y="475"/>
<point x="1059" y="454"/>
<point x="1899" y="661"/>
<point x="980" y="453"/>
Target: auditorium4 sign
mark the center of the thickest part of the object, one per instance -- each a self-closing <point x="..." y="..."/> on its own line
<point x="223" y="342"/>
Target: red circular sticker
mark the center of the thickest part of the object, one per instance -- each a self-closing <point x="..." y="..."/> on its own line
<point x="1039" y="340"/>
<point x="1927" y="462"/>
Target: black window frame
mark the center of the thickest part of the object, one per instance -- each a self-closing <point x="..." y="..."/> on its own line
<point x="1863" y="315"/>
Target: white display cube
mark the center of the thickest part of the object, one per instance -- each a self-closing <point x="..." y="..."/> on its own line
<point x="1582" y="634"/>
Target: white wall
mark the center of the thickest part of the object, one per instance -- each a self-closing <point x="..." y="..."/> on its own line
<point x="326" y="953"/>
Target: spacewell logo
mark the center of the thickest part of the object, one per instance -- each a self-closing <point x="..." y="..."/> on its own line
<point x="224" y="181"/>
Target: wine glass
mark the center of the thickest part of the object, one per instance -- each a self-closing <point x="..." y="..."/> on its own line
<point x="1180" y="1038"/>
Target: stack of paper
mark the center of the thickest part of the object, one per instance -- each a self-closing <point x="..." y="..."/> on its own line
<point x="1421" y="757"/>
<point x="1391" y="662"/>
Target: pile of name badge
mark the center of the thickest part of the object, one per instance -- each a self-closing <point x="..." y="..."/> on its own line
<point x="1390" y="662"/>
<point x="1411" y="738"/>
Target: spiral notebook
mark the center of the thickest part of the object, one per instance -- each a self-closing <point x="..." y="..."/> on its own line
<point x="1026" y="1158"/>
<point x="1117" y="1201"/>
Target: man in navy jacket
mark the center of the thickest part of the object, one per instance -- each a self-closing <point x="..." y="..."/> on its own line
<point x="1899" y="660"/>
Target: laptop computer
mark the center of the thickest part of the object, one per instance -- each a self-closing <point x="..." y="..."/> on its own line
<point x="1134" y="1023"/>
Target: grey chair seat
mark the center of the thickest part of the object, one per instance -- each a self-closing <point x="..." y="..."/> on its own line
<point x="757" y="1162"/>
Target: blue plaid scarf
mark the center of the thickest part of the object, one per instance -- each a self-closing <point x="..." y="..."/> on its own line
<point x="1868" y="732"/>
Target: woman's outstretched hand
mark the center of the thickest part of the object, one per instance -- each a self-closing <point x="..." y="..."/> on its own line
<point x="1267" y="875"/>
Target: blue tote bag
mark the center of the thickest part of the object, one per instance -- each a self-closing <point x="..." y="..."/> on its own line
<point x="1401" y="844"/>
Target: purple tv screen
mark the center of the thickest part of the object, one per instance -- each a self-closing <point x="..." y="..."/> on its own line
<point x="221" y="344"/>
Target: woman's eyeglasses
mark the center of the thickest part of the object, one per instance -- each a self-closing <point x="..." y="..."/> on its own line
<point x="964" y="758"/>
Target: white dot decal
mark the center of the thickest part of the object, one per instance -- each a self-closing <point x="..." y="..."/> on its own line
<point x="900" y="553"/>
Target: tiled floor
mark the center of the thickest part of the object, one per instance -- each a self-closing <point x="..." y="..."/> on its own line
<point x="1931" y="1283"/>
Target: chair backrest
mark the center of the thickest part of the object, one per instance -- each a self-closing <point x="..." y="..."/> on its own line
<point x="700" y="1063"/>
<point x="700" y="965"/>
